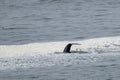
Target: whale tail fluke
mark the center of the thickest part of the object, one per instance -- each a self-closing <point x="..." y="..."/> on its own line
<point x="68" y="47"/>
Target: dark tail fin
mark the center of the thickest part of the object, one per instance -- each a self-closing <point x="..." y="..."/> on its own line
<point x="67" y="48"/>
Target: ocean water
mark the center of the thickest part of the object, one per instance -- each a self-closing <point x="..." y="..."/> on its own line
<point x="33" y="34"/>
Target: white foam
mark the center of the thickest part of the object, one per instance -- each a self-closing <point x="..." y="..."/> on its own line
<point x="51" y="47"/>
<point x="30" y="49"/>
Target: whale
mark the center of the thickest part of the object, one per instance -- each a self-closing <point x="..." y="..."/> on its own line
<point x="68" y="47"/>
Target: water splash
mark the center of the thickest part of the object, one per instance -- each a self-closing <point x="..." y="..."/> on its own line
<point x="98" y="45"/>
<point x="42" y="54"/>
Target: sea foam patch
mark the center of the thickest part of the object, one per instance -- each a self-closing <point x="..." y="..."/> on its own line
<point x="32" y="49"/>
<point x="43" y="54"/>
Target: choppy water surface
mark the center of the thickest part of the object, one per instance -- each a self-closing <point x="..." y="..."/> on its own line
<point x="31" y="31"/>
<point x="31" y="21"/>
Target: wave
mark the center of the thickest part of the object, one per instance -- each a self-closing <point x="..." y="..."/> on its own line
<point x="95" y="45"/>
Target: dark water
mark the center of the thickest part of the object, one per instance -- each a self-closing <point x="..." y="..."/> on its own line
<point x="31" y="21"/>
<point x="43" y="27"/>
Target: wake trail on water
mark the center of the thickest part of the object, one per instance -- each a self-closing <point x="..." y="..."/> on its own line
<point x="95" y="45"/>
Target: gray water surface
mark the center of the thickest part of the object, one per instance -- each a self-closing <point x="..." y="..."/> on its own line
<point x="36" y="21"/>
<point x="28" y="21"/>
